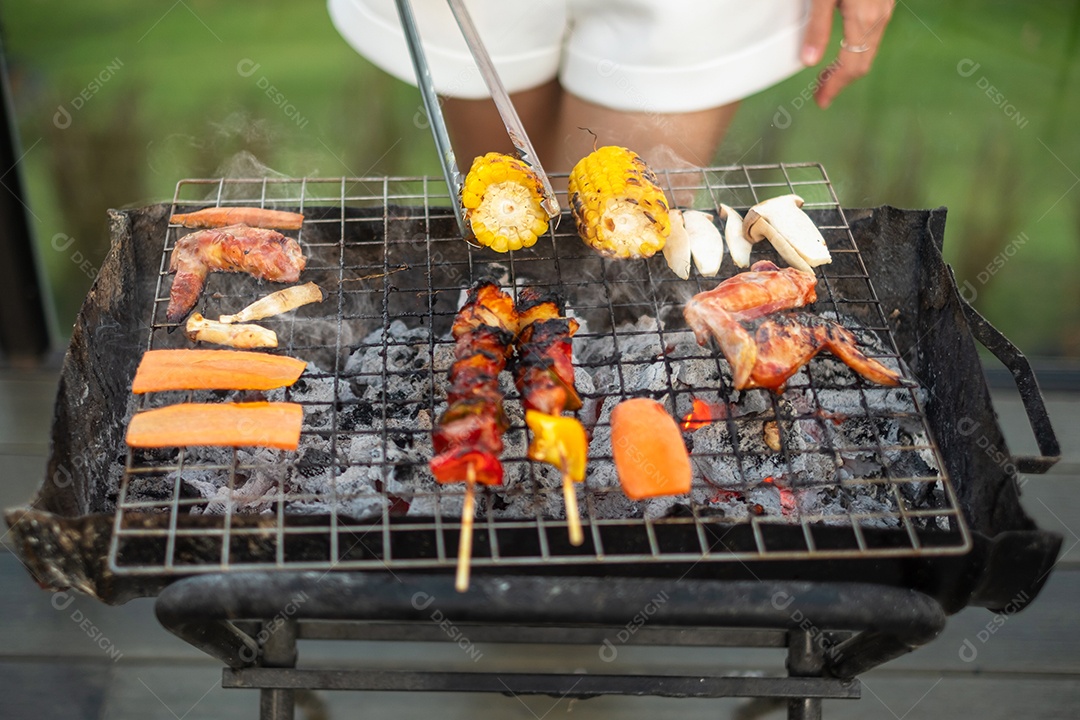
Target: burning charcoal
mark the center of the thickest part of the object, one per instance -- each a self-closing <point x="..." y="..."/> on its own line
<point x="254" y="494"/>
<point x="352" y="417"/>
<point x="384" y="406"/>
<point x="658" y="507"/>
<point x="314" y="462"/>
<point x="148" y="488"/>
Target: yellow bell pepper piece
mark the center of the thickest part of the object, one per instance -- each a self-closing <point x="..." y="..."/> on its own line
<point x="559" y="441"/>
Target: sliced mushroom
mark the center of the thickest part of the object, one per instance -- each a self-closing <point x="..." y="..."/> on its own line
<point x="781" y="221"/>
<point x="706" y="242"/>
<point x="246" y="337"/>
<point x="677" y="247"/>
<point x="277" y="302"/>
<point x="737" y="244"/>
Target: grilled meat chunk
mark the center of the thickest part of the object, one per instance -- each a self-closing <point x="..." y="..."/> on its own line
<point x="764" y="289"/>
<point x="487" y="305"/>
<point x="265" y="254"/>
<point x="543" y="370"/>
<point x="543" y="367"/>
<point x="788" y="341"/>
<point x="469" y="433"/>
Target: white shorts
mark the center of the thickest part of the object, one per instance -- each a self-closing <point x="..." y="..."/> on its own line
<point x="661" y="56"/>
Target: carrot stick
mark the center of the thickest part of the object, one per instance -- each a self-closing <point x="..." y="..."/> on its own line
<point x="251" y="216"/>
<point x="464" y="554"/>
<point x="260" y="424"/>
<point x="214" y="370"/>
<point x="650" y="456"/>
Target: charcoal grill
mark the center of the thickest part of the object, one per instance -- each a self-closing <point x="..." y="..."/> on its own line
<point x="361" y="531"/>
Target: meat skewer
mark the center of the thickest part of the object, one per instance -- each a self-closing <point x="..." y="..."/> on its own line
<point x="265" y="254"/>
<point x="544" y="375"/>
<point x="468" y="436"/>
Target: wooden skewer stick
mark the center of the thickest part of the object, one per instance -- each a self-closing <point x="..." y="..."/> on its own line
<point x="468" y="511"/>
<point x="573" y="517"/>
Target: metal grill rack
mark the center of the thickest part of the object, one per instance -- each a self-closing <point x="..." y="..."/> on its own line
<point x="387" y="250"/>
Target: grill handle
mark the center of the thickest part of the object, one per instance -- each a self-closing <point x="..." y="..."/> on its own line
<point x="1016" y="363"/>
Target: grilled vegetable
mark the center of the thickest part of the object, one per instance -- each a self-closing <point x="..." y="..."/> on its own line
<point x="260" y="424"/>
<point x="161" y="370"/>
<point x="561" y="442"/>
<point x="737" y="244"/>
<point x="650" y="456"/>
<point x="792" y="233"/>
<point x="251" y="216"/>
<point x="558" y="441"/>
<point x="502" y="197"/>
<point x="618" y="206"/>
<point x="706" y="242"/>
<point x="277" y="302"/>
<point x="677" y="247"/>
<point x="244" y="337"/>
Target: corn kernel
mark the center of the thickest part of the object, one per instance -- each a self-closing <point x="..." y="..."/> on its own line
<point x="619" y="208"/>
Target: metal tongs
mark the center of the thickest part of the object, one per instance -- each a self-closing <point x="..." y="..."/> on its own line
<point x="520" y="139"/>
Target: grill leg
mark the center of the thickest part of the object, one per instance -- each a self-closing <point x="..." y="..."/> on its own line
<point x="805" y="659"/>
<point x="279" y="651"/>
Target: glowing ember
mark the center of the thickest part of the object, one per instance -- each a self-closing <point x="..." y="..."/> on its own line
<point x="704" y="413"/>
<point x="787" y="498"/>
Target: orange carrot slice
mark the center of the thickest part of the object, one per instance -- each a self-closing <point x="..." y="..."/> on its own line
<point x="650" y="456"/>
<point x="259" y="424"/>
<point x="214" y="370"/>
<point x="251" y="216"/>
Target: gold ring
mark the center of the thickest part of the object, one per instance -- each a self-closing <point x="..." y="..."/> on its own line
<point x="853" y="48"/>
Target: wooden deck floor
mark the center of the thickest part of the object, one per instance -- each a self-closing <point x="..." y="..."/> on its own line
<point x="53" y="666"/>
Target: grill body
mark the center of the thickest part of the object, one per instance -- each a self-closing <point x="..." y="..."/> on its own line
<point x="841" y="593"/>
<point x="385" y="258"/>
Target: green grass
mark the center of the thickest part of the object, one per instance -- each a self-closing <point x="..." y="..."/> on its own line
<point x="915" y="133"/>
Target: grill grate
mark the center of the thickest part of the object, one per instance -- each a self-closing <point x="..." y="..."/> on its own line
<point x="387" y="253"/>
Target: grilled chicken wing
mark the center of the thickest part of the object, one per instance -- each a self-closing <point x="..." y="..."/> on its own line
<point x="786" y="342"/>
<point x="265" y="254"/>
<point x="764" y="289"/>
<point x="469" y="433"/>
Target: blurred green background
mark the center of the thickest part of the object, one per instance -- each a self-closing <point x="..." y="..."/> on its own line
<point x="971" y="105"/>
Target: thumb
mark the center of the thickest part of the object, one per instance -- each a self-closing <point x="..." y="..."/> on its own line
<point x="818" y="29"/>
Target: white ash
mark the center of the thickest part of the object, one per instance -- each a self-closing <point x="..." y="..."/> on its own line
<point x="366" y="456"/>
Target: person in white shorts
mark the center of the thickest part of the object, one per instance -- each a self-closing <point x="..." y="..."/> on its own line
<point x="661" y="77"/>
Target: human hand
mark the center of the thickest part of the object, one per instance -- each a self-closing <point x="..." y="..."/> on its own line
<point x="864" y="24"/>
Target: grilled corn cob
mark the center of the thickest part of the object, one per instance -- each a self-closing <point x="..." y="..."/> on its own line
<point x="502" y="198"/>
<point x="618" y="206"/>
